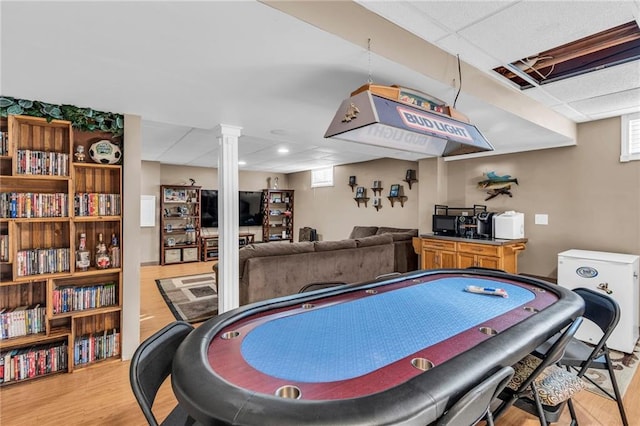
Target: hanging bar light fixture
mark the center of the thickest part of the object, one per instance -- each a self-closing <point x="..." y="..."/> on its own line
<point x="405" y="119"/>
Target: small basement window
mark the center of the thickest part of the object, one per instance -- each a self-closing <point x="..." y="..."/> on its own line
<point x="322" y="177"/>
<point x="630" y="147"/>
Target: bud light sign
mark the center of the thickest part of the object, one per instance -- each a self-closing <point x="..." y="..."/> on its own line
<point x="431" y="124"/>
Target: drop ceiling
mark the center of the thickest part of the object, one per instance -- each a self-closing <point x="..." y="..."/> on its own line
<point x="280" y="73"/>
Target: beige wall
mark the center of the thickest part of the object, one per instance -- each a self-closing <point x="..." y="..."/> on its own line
<point x="593" y="200"/>
<point x="334" y="212"/>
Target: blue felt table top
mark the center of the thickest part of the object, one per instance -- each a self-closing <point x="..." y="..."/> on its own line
<point x="350" y="339"/>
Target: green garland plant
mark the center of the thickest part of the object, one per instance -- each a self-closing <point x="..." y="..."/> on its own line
<point x="86" y="119"/>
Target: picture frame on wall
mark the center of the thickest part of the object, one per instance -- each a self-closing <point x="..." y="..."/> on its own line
<point x="376" y="202"/>
<point x="174" y="195"/>
<point x="395" y="190"/>
<point x="411" y="175"/>
<point x="360" y="192"/>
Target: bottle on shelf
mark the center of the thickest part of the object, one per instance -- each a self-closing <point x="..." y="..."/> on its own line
<point x="114" y="251"/>
<point x="83" y="257"/>
<point x="102" y="255"/>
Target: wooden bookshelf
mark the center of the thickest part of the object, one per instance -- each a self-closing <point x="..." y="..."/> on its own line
<point x="47" y="201"/>
<point x="277" y="222"/>
<point x="179" y="224"/>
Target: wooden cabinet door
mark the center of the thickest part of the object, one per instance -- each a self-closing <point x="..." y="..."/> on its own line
<point x="466" y="260"/>
<point x="447" y="259"/>
<point x="437" y="259"/>
<point x="488" y="262"/>
<point x="429" y="259"/>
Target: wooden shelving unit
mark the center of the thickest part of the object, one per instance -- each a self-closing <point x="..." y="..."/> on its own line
<point x="179" y="224"/>
<point x="209" y="245"/>
<point x="277" y="223"/>
<point x="55" y="317"/>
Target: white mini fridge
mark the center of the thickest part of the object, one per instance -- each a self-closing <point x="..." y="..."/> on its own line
<point x="614" y="274"/>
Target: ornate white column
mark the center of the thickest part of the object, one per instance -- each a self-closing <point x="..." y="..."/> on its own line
<point x="228" y="275"/>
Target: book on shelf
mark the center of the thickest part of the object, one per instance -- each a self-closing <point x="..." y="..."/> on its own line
<point x="4" y="142"/>
<point x="96" y="346"/>
<point x="33" y="205"/>
<point x="33" y="361"/>
<point x="22" y="321"/>
<point x="79" y="298"/>
<point x="43" y="261"/>
<point x="4" y="248"/>
<point x="44" y="163"/>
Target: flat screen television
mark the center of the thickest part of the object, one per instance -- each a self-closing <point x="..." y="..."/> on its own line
<point x="249" y="207"/>
<point x="209" y="208"/>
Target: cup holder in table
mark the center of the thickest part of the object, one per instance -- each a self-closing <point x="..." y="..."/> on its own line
<point x="488" y="331"/>
<point x="289" y="391"/>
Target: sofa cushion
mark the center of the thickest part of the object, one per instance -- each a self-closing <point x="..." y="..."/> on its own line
<point x="402" y="236"/>
<point x="335" y="245"/>
<point x="387" y="230"/>
<point x="363" y="231"/>
<point x="280" y="248"/>
<point x="374" y="240"/>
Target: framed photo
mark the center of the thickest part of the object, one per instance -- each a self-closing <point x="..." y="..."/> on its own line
<point x="395" y="190"/>
<point x="376" y="202"/>
<point x="360" y="192"/>
<point x="377" y="184"/>
<point x="172" y="194"/>
<point x="411" y="175"/>
<point x="352" y="180"/>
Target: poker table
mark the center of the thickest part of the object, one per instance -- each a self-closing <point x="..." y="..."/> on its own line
<point x="395" y="351"/>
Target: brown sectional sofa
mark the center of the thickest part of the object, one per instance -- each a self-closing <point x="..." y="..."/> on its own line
<point x="280" y="268"/>
<point x="405" y="257"/>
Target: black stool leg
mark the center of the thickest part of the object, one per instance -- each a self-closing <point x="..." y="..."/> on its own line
<point x="616" y="390"/>
<point x="536" y="398"/>
<point x="572" y="411"/>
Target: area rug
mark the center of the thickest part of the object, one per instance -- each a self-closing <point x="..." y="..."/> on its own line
<point x="192" y="298"/>
<point x="624" y="367"/>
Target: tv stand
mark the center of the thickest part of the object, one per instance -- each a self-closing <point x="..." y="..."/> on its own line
<point x="209" y="245"/>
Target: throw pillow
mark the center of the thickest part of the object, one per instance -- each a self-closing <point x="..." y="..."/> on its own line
<point x="362" y="231"/>
<point x="374" y="240"/>
<point x="335" y="245"/>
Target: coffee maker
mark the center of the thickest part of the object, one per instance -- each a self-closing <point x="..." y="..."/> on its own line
<point x="484" y="222"/>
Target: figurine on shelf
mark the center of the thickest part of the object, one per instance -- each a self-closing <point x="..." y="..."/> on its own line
<point x="79" y="154"/>
<point x="275" y="182"/>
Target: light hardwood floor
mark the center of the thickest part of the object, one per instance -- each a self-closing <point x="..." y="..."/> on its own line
<point x="101" y="395"/>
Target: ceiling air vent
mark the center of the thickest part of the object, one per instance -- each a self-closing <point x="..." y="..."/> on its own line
<point x="605" y="49"/>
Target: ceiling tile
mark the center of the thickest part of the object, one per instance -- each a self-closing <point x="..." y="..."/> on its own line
<point x="157" y="138"/>
<point x="409" y="15"/>
<point x="469" y="53"/>
<point x="609" y="80"/>
<point x="629" y="99"/>
<point x="528" y="27"/>
<point x="457" y="15"/>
